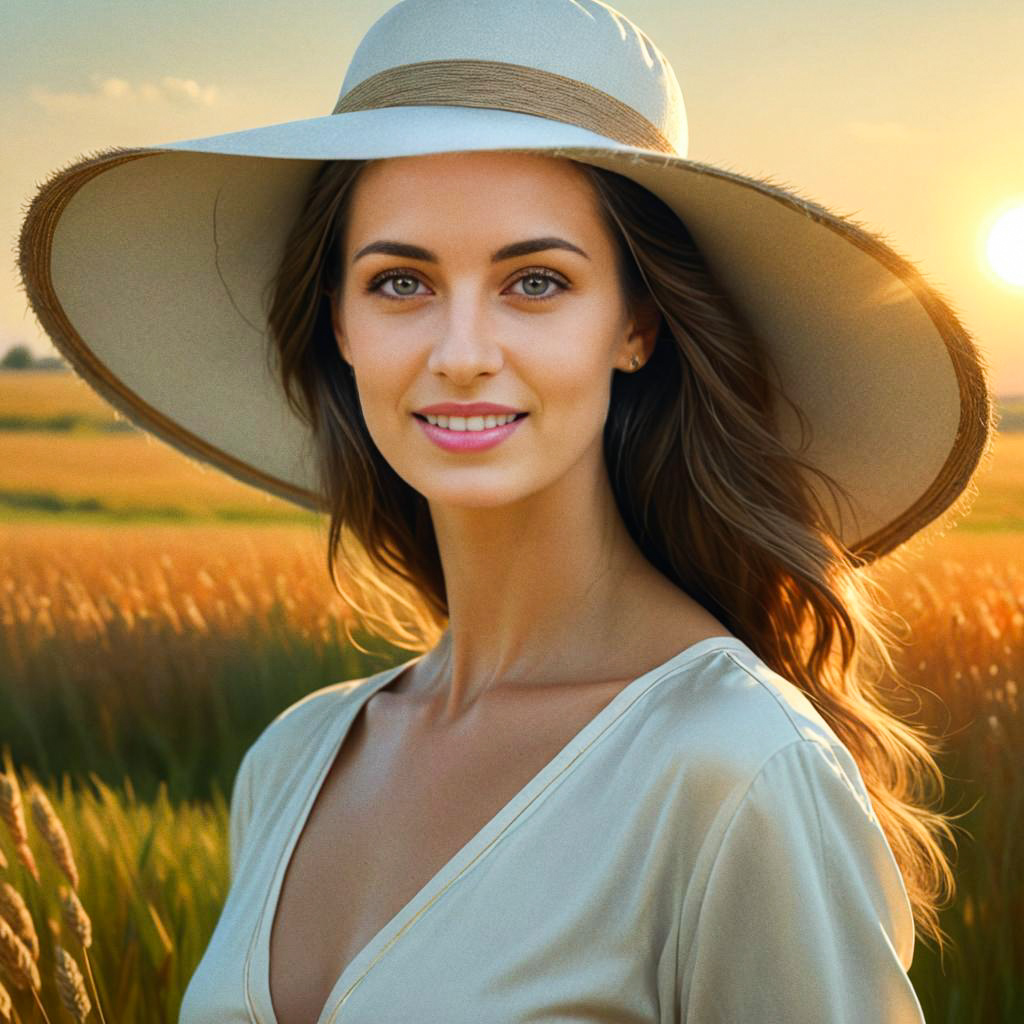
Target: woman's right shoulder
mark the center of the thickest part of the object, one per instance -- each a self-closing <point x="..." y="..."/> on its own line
<point x="292" y="731"/>
<point x="269" y="769"/>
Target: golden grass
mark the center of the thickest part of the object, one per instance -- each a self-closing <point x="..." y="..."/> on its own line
<point x="19" y="936"/>
<point x="44" y="393"/>
<point x="126" y="471"/>
<point x="148" y="593"/>
<point x="131" y="600"/>
<point x="138" y="596"/>
<point x="1000" y="500"/>
<point x="963" y="599"/>
<point x="135" y="473"/>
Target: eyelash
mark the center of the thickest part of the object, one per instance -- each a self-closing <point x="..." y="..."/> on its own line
<point x="547" y="275"/>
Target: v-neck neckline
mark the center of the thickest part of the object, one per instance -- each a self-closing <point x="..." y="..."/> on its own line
<point x="334" y="737"/>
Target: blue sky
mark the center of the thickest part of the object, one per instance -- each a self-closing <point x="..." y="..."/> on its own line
<point x="906" y="115"/>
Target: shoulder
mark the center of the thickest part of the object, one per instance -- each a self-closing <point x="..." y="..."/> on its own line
<point x="270" y="767"/>
<point x="767" y="795"/>
<point x="723" y="718"/>
<point x="771" y="709"/>
<point x="290" y="735"/>
<point x="728" y="699"/>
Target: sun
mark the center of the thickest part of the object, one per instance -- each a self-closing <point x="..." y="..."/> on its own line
<point x="1005" y="246"/>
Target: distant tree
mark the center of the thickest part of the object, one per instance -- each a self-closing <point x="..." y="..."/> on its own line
<point x="18" y="357"/>
<point x="49" y="363"/>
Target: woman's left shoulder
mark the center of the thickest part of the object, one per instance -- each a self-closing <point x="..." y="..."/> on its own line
<point x="775" y="699"/>
<point x="729" y="704"/>
<point x="730" y="688"/>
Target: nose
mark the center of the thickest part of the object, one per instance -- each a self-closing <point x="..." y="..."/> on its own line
<point x="466" y="345"/>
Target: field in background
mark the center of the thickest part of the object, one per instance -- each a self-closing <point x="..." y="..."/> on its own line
<point x="139" y="661"/>
<point x="35" y="399"/>
<point x="142" y="662"/>
<point x="66" y="456"/>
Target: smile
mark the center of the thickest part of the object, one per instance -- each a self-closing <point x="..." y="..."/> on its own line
<point x="471" y="422"/>
<point x="472" y="433"/>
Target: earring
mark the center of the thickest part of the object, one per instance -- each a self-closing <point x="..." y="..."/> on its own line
<point x="634" y="363"/>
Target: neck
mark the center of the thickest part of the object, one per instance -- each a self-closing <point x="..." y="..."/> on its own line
<point x="540" y="591"/>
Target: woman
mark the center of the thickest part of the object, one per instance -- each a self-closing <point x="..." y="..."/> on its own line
<point x="640" y="769"/>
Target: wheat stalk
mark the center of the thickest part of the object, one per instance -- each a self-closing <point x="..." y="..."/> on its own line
<point x="6" y="1003"/>
<point x="71" y="985"/>
<point x="11" y="808"/>
<point x="16" y="959"/>
<point x="13" y="814"/>
<point x="15" y="910"/>
<point x="75" y="916"/>
<point x="19" y="943"/>
<point x="52" y="831"/>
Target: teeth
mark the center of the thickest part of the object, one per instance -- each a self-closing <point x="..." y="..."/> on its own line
<point x="471" y="422"/>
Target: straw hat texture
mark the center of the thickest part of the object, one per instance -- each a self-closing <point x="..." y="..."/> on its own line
<point x="146" y="265"/>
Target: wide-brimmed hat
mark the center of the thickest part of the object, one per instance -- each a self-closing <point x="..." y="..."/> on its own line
<point x="147" y="266"/>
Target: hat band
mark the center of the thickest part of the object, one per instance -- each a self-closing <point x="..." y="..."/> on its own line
<point x="496" y="84"/>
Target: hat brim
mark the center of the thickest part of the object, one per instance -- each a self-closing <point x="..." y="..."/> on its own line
<point x="146" y="267"/>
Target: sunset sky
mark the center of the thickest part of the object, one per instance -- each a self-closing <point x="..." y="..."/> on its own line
<point x="908" y="116"/>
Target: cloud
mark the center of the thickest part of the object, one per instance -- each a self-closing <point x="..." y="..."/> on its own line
<point x="108" y="91"/>
<point x="881" y="131"/>
<point x="190" y="90"/>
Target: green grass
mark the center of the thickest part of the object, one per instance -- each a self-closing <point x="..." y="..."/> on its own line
<point x="140" y="773"/>
<point x="41" y="506"/>
<point x="152" y="897"/>
<point x="180" y="727"/>
<point x="68" y="423"/>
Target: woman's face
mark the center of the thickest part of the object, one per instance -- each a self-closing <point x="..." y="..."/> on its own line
<point x="457" y="320"/>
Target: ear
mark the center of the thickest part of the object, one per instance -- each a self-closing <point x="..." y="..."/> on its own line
<point x="339" y="333"/>
<point x="642" y="330"/>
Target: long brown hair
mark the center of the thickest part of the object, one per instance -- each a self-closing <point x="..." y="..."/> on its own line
<point x="707" y="490"/>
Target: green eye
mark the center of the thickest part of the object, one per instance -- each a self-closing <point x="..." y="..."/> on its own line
<point x="397" y="276"/>
<point x="403" y="278"/>
<point x="544" y="279"/>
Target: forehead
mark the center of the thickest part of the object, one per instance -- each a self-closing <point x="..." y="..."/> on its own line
<point x="467" y="193"/>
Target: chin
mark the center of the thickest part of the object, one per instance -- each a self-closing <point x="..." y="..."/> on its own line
<point x="473" y="493"/>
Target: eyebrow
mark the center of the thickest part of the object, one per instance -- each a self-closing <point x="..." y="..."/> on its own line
<point x="506" y="252"/>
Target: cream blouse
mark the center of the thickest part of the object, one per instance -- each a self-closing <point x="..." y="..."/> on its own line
<point x="703" y="850"/>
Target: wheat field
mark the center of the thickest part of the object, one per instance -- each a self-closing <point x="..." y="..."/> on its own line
<point x="140" y="659"/>
<point x="162" y="632"/>
<point x="140" y="475"/>
<point x="133" y="593"/>
<point x="65" y="454"/>
<point x="42" y="394"/>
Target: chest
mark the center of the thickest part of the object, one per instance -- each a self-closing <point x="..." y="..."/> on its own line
<point x="395" y="807"/>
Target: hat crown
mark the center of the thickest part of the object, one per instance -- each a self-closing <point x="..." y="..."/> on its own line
<point x="583" y="40"/>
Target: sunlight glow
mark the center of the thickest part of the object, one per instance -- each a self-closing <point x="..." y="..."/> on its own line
<point x="1005" y="246"/>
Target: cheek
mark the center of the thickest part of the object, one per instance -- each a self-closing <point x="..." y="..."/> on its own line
<point x="381" y="382"/>
<point x="381" y="386"/>
<point x="577" y="382"/>
<point x="384" y="361"/>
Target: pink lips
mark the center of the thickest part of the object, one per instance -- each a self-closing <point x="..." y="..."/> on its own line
<point x="468" y="440"/>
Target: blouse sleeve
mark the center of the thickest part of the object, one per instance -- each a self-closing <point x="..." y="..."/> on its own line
<point x="805" y="918"/>
<point x="240" y="811"/>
